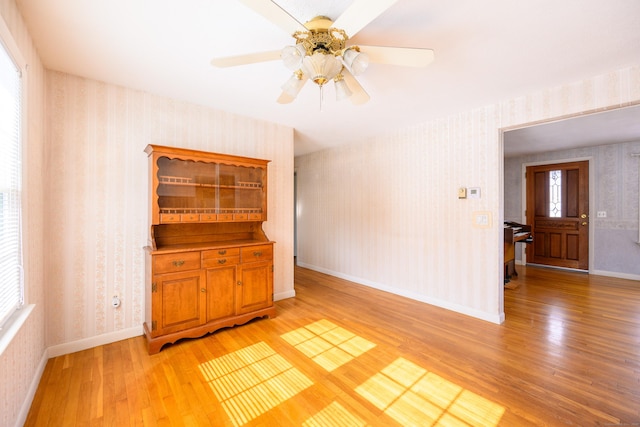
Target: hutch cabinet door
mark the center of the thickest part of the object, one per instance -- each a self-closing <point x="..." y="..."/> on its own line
<point x="178" y="302"/>
<point x="221" y="288"/>
<point x="255" y="289"/>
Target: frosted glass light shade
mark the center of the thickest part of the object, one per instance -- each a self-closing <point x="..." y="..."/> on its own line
<point x="342" y="89"/>
<point x="292" y="86"/>
<point x="292" y="56"/>
<point x="356" y="61"/>
<point x="321" y="67"/>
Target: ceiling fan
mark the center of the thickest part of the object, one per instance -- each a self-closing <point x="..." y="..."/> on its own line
<point x="321" y="52"/>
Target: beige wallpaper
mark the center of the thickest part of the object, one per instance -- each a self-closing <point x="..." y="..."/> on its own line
<point x="97" y="199"/>
<point x="23" y="359"/>
<point x="384" y="212"/>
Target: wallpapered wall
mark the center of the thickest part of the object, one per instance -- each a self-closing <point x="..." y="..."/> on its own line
<point x="384" y="212"/>
<point x="616" y="192"/>
<point x="24" y="356"/>
<point x="97" y="195"/>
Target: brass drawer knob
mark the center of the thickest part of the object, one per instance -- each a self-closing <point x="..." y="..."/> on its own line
<point x="257" y="253"/>
<point x="178" y="263"/>
<point x="222" y="261"/>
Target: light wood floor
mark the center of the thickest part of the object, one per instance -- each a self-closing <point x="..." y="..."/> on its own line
<point x="345" y="355"/>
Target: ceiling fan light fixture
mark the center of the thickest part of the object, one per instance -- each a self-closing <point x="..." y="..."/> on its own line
<point x="293" y="86"/>
<point x="320" y="52"/>
<point x="356" y="61"/>
<point x="292" y="56"/>
<point x="342" y="89"/>
<point x="321" y="67"/>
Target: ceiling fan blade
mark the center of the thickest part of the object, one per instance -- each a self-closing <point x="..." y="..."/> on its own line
<point x="251" y="58"/>
<point x="359" y="95"/>
<point x="274" y="13"/>
<point x="360" y="13"/>
<point x="285" y="98"/>
<point x="404" y="56"/>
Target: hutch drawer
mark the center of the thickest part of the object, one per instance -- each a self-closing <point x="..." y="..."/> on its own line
<point x="171" y="263"/>
<point x="208" y="217"/>
<point x="257" y="253"/>
<point x="169" y="218"/>
<point x="220" y="261"/>
<point x="223" y="252"/>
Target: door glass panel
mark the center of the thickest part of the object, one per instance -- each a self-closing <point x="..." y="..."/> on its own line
<point x="555" y="194"/>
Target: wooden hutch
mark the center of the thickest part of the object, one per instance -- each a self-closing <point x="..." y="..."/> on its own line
<point x="209" y="264"/>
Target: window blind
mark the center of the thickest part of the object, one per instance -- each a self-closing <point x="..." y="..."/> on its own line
<point x="11" y="288"/>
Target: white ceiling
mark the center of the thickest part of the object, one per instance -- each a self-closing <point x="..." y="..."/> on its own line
<point x="486" y="51"/>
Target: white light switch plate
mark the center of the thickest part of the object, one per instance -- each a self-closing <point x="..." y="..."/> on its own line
<point x="482" y="219"/>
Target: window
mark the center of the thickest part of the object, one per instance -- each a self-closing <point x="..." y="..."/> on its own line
<point x="11" y="283"/>
<point x="555" y="194"/>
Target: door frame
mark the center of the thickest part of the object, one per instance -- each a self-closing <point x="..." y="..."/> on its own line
<point x="592" y="210"/>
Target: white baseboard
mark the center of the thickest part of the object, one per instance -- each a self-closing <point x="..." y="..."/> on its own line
<point x="594" y="272"/>
<point x="83" y="344"/>
<point x="284" y="295"/>
<point x="31" y="392"/>
<point x="497" y="318"/>
<point x="616" y="275"/>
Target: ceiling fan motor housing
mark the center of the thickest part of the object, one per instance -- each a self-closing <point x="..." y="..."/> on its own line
<point x="321" y="37"/>
<point x="323" y="46"/>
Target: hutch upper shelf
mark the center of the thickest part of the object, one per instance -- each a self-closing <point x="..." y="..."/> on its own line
<point x="191" y="186"/>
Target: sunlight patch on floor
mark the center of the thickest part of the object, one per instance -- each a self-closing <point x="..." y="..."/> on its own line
<point x="327" y="344"/>
<point x="334" y="415"/>
<point x="413" y="396"/>
<point x="253" y="380"/>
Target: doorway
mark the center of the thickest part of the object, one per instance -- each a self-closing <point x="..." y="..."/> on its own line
<point x="557" y="208"/>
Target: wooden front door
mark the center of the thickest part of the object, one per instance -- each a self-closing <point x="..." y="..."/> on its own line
<point x="558" y="212"/>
